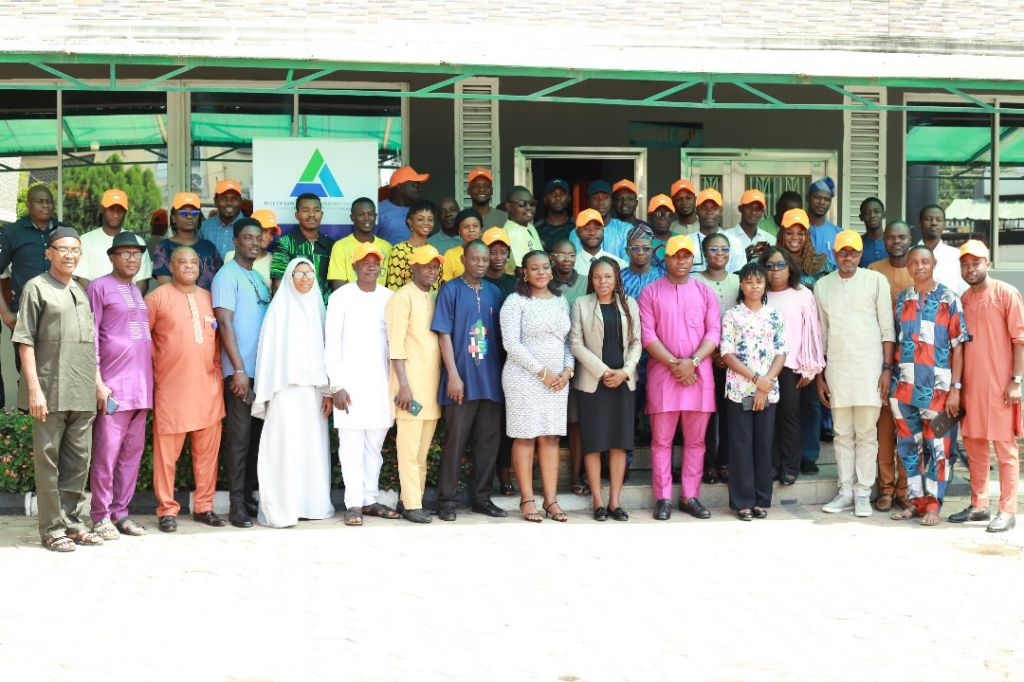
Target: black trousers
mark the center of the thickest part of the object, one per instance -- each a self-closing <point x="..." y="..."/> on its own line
<point x="240" y="445"/>
<point x="481" y="424"/>
<point x="750" y="456"/>
<point x="786" y="451"/>
<point x="716" y="438"/>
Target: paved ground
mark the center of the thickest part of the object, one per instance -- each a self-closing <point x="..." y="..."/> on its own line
<point x="799" y="596"/>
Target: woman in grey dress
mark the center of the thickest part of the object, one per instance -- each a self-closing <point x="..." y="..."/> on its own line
<point x="535" y="332"/>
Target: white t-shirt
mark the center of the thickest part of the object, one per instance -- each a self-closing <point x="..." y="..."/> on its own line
<point x="95" y="262"/>
<point x="947" y="267"/>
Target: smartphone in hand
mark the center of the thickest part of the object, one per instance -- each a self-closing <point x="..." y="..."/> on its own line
<point x="111" y="404"/>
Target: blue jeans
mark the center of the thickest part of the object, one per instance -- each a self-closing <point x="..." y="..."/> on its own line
<point x="810" y="423"/>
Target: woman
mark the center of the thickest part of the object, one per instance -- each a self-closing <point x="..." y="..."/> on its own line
<point x="535" y="332"/>
<point x="726" y="286"/>
<point x="804" y="360"/>
<point x="754" y="351"/>
<point x="420" y="221"/>
<point x="185" y="220"/>
<point x="795" y="240"/>
<point x="468" y="221"/>
<point x="292" y="397"/>
<point x="605" y="339"/>
<point x="641" y="271"/>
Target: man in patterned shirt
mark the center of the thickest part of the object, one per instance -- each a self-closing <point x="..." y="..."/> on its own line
<point x="929" y="332"/>
<point x="305" y="242"/>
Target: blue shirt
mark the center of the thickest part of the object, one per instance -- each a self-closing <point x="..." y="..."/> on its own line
<point x="823" y="237"/>
<point x="615" y="233"/>
<point x="391" y="225"/>
<point x="874" y="249"/>
<point x="245" y="294"/>
<point x="633" y="283"/>
<point x="475" y="331"/>
<point x="222" y="236"/>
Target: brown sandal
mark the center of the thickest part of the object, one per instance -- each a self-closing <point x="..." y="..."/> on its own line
<point x="559" y="515"/>
<point x="532" y="517"/>
<point x="60" y="543"/>
<point x="86" y="538"/>
<point x="381" y="511"/>
<point x="353" y="517"/>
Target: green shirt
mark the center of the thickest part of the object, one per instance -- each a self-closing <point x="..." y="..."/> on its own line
<point x="294" y="245"/>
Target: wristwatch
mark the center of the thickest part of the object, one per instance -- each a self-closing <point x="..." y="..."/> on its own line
<point x="958" y="385"/>
<point x="1015" y="378"/>
<point x="695" y="360"/>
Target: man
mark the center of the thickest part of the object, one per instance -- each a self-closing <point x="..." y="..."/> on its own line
<point x="599" y="198"/>
<point x="356" y="356"/>
<point x="661" y="214"/>
<point x="364" y="222"/>
<point x="521" y="207"/>
<point x="932" y="222"/>
<point x="564" y="275"/>
<point x="447" y="235"/>
<point x="590" y="234"/>
<point x="819" y="201"/>
<point x="124" y="353"/>
<point x="188" y="389"/>
<point x="497" y="242"/>
<point x="404" y="188"/>
<point x="415" y="376"/>
<point x="892" y="477"/>
<point x="240" y="300"/>
<point x="680" y="328"/>
<point x="872" y="214"/>
<point x="930" y="332"/>
<point x="227" y="197"/>
<point x="684" y="201"/>
<point x="306" y="242"/>
<point x="158" y="222"/>
<point x="468" y="328"/>
<point x="709" y="219"/>
<point x="55" y="337"/>
<point x="95" y="261"/>
<point x="993" y="365"/>
<point x="624" y="202"/>
<point x="557" y="223"/>
<point x="748" y="232"/>
<point x="857" y="334"/>
<point x="480" y="188"/>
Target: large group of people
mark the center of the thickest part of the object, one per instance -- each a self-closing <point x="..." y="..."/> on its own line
<point x="517" y="332"/>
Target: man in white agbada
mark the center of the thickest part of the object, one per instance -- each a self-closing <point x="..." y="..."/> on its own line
<point x="294" y="465"/>
<point x="356" y="356"/>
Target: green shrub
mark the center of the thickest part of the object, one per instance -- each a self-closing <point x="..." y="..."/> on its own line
<point x="17" y="474"/>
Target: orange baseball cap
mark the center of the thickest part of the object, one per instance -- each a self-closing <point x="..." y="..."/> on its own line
<point x="679" y="241"/>
<point x="186" y="199"/>
<point x="709" y="195"/>
<point x="973" y="247"/>
<point x="796" y="216"/>
<point x="496" y="234"/>
<point x="660" y="201"/>
<point x="114" y="197"/>
<point x="753" y="196"/>
<point x="407" y="174"/>
<point x="364" y="249"/>
<point x="679" y="185"/>
<point x="479" y="172"/>
<point x="422" y="255"/>
<point x="625" y="184"/>
<point x="848" y="239"/>
<point x="228" y="185"/>
<point x="267" y="219"/>
<point x="587" y="216"/>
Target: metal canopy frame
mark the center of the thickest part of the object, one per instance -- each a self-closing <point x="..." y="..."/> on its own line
<point x="55" y="66"/>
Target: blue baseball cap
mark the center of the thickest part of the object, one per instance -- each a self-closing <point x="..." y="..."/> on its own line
<point x="556" y="182"/>
<point x="598" y="186"/>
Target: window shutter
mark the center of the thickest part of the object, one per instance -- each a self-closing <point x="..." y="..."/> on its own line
<point x="864" y="163"/>
<point x="476" y="135"/>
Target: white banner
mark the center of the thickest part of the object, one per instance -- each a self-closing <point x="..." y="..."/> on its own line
<point x="338" y="171"/>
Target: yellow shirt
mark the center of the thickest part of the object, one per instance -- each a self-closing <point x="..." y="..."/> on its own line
<point x="409" y="313"/>
<point x="453" y="266"/>
<point x="524" y="240"/>
<point x="340" y="267"/>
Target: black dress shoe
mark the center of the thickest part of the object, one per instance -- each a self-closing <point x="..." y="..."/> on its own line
<point x="662" y="510"/>
<point x="694" y="508"/>
<point x="252" y="508"/>
<point x="970" y="514"/>
<point x="168" y="524"/>
<point x="827" y="435"/>
<point x="619" y="514"/>
<point x="210" y="519"/>
<point x="600" y="514"/>
<point x="238" y="516"/>
<point x="416" y="516"/>
<point x="808" y="467"/>
<point x="760" y="513"/>
<point x="787" y="479"/>
<point x="490" y="509"/>
<point x="446" y="513"/>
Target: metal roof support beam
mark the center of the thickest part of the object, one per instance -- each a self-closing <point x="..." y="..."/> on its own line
<point x="668" y="93"/>
<point x="113" y="75"/>
<point x="426" y="89"/>
<point x="709" y="98"/>
<point x="555" y="88"/>
<point x="291" y="85"/>
<point x="61" y="75"/>
<point x="163" y="77"/>
<point x="758" y="93"/>
<point x="963" y="95"/>
<point x="868" y="104"/>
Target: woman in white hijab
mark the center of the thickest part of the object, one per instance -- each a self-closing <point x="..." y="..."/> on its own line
<point x="294" y="466"/>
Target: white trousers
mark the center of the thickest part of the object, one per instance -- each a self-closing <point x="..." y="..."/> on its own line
<point x="856" y="446"/>
<point x="360" y="458"/>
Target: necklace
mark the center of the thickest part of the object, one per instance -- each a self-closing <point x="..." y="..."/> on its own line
<point x="478" y="333"/>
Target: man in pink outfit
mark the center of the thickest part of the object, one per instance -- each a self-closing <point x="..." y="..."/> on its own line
<point x="680" y="328"/>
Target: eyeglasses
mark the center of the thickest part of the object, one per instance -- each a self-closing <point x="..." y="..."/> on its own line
<point x="564" y="256"/>
<point x="68" y="250"/>
<point x="639" y="249"/>
<point x="128" y="255"/>
<point x="718" y="249"/>
<point x="779" y="265"/>
<point x="303" y="274"/>
<point x="189" y="212"/>
<point x="523" y="203"/>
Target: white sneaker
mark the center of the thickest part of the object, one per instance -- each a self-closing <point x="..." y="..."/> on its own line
<point x="862" y="506"/>
<point x="841" y="503"/>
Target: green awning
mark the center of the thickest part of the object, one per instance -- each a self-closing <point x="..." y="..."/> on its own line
<point x="961" y="146"/>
